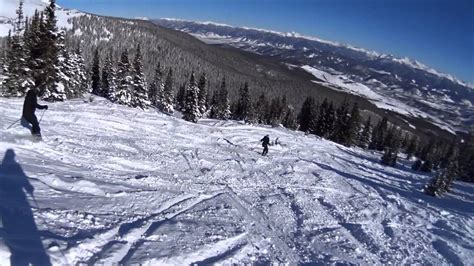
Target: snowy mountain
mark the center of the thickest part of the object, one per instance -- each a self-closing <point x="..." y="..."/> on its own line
<point x="112" y="184"/>
<point x="8" y="14"/>
<point x="396" y="79"/>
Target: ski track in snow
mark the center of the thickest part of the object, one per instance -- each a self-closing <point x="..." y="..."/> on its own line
<point x="120" y="185"/>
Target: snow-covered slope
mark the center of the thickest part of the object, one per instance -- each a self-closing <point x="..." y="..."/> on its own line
<point x="115" y="184"/>
<point x="8" y="13"/>
<point x="408" y="81"/>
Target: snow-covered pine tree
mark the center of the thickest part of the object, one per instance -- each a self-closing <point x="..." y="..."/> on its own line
<point x="139" y="88"/>
<point x="53" y="89"/>
<point x="95" y="74"/>
<point x="191" y="110"/>
<point x="123" y="94"/>
<point x="79" y="69"/>
<point x="156" y="90"/>
<point x="223" y="104"/>
<point x="365" y="135"/>
<point x="18" y="76"/>
<point x="168" y="95"/>
<point x="203" y="91"/>
<point x="109" y="79"/>
<point x="34" y="49"/>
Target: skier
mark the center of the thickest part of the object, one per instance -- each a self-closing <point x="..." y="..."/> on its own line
<point x="29" y="108"/>
<point x="265" y="142"/>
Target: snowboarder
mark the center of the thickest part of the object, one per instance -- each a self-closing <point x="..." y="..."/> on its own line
<point x="265" y="142"/>
<point x="29" y="108"/>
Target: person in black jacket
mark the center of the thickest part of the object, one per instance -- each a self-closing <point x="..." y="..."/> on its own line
<point x="265" y="142"/>
<point x="29" y="108"/>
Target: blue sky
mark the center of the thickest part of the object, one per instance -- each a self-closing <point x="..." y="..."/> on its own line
<point x="438" y="33"/>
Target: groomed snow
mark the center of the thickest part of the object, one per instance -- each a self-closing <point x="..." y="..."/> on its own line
<point x="119" y="185"/>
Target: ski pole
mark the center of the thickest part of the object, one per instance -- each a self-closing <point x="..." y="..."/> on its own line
<point x="13" y="123"/>
<point x="42" y="116"/>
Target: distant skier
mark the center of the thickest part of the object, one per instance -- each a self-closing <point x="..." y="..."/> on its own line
<point x="29" y="108"/>
<point x="265" y="142"/>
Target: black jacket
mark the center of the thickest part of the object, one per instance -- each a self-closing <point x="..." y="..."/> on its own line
<point x="31" y="103"/>
<point x="265" y="141"/>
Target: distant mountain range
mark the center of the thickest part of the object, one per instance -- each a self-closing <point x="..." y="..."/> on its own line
<point x="384" y="79"/>
<point x="417" y="98"/>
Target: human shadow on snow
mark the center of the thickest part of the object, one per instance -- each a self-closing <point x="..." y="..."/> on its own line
<point x="18" y="228"/>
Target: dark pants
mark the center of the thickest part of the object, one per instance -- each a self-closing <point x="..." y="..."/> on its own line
<point x="265" y="150"/>
<point x="31" y="119"/>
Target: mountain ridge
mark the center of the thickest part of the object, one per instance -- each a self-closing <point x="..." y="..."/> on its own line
<point x="293" y="34"/>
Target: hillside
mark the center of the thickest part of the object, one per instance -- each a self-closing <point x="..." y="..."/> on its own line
<point x="115" y="184"/>
<point x="439" y="97"/>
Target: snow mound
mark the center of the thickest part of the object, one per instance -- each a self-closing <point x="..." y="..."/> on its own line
<point x="113" y="184"/>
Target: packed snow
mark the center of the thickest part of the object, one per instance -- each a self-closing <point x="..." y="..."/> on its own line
<point x="112" y="184"/>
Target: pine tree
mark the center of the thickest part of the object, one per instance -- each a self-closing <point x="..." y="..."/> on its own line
<point x="443" y="181"/>
<point x="168" y="95"/>
<point x="109" y="79"/>
<point x="261" y="107"/>
<point x="203" y="92"/>
<point x="223" y="104"/>
<point x="191" y="110"/>
<point x="213" y="106"/>
<point x="123" y="93"/>
<point x="307" y="115"/>
<point x="466" y="159"/>
<point x="95" y="75"/>
<point x="351" y="131"/>
<point x="244" y="105"/>
<point x="105" y="77"/>
<point x="364" y="139"/>
<point x="181" y="97"/>
<point x="18" y="76"/>
<point x="393" y="147"/>
<point x="156" y="92"/>
<point x="53" y="90"/>
<point x="139" y="89"/>
<point x="412" y="146"/>
<point x="34" y="49"/>
<point x="378" y="135"/>
<point x="340" y="134"/>
<point x="290" y="119"/>
<point x="325" y="123"/>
